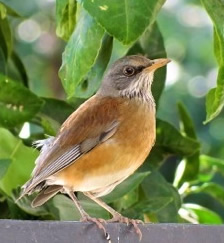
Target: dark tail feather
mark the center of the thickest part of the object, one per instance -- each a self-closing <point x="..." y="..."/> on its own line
<point x="29" y="188"/>
<point x="25" y="190"/>
<point x="45" y="195"/>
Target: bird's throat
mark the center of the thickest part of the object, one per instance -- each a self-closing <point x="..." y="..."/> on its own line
<point x="140" y="90"/>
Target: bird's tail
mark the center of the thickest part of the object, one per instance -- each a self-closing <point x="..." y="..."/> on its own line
<point x="25" y="190"/>
<point x="45" y="195"/>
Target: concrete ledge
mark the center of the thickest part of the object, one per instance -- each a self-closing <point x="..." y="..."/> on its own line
<point x="16" y="231"/>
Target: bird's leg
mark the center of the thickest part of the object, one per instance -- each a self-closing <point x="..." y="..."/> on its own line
<point x="117" y="217"/>
<point x="85" y="217"/>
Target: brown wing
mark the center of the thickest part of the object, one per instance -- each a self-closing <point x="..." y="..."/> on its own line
<point x="93" y="123"/>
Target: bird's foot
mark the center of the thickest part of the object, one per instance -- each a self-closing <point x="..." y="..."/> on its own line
<point x="121" y="219"/>
<point x="99" y="222"/>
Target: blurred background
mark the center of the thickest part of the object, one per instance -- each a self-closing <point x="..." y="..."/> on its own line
<point x="188" y="37"/>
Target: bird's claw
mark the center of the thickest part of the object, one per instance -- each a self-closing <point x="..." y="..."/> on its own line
<point x="121" y="219"/>
<point x="97" y="221"/>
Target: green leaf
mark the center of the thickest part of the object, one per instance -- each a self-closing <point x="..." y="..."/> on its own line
<point x="4" y="213"/>
<point x="14" y="211"/>
<point x="218" y="48"/>
<point x="4" y="10"/>
<point x="205" y="177"/>
<point x="156" y="188"/>
<point x="169" y="141"/>
<point x="92" y="81"/>
<point x="202" y="215"/>
<point x="148" y="206"/>
<point x="173" y="142"/>
<point x="80" y="53"/>
<point x="215" y="97"/>
<point x="4" y="165"/>
<point x="66" y="208"/>
<point x="17" y="103"/>
<point x="156" y="158"/>
<point x="186" y="122"/>
<point x="94" y="209"/>
<point x="6" y="40"/>
<point x="22" y="161"/>
<point x="212" y="189"/>
<point x="25" y="205"/>
<point x="127" y="200"/>
<point x="3" y="64"/>
<point x="65" y="17"/>
<point x="124" y="20"/>
<point x="58" y="110"/>
<point x="20" y="67"/>
<point x="128" y="185"/>
<point x="119" y="50"/>
<point x="209" y="163"/>
<point x="49" y="125"/>
<point x="68" y="211"/>
<point x="170" y="212"/>
<point x="191" y="166"/>
<point x="160" y="74"/>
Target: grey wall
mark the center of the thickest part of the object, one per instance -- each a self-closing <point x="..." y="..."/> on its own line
<point x="14" y="231"/>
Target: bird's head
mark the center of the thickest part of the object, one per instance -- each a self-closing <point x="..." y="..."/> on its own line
<point x="131" y="77"/>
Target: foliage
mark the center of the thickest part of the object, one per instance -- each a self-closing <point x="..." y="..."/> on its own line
<point x="96" y="35"/>
<point x="215" y="97"/>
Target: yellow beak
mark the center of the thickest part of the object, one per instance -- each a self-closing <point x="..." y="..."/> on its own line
<point x="157" y="63"/>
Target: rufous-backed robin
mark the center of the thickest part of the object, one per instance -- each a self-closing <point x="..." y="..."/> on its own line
<point x="103" y="142"/>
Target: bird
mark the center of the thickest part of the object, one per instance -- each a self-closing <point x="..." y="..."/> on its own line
<point x="102" y="142"/>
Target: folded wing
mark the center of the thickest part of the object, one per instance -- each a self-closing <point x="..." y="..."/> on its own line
<point x="96" y="121"/>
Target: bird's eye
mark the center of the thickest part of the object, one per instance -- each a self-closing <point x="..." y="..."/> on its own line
<point x="129" y="71"/>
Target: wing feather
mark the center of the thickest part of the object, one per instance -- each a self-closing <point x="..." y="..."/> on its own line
<point x="93" y="123"/>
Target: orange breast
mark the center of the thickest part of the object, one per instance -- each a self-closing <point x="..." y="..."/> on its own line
<point x="119" y="156"/>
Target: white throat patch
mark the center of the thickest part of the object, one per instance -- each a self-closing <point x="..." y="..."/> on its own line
<point x="141" y="89"/>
